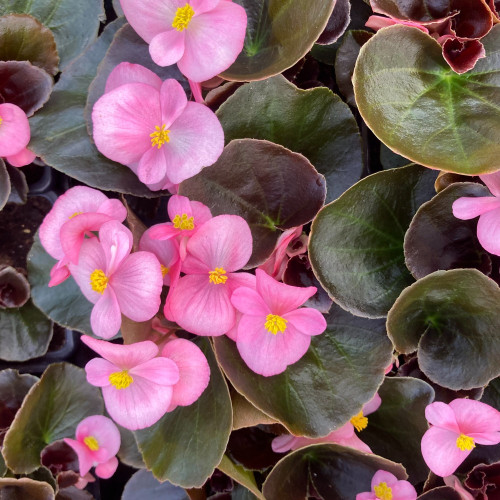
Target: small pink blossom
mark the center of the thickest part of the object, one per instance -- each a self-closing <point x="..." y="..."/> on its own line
<point x="488" y="210"/>
<point x="137" y="385"/>
<point x="453" y="482"/>
<point x="204" y="37"/>
<point x="386" y="486"/>
<point x="97" y="442"/>
<point x="456" y="429"/>
<point x="15" y="135"/>
<point x="273" y="332"/>
<point x="116" y="281"/>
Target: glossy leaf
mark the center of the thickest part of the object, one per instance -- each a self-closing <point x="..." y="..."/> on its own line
<point x="14" y="288"/>
<point x="413" y="10"/>
<point x="451" y="317"/>
<point x="328" y="135"/>
<point x="436" y="240"/>
<point x="59" y="132"/>
<point x="332" y="471"/>
<point x="416" y="105"/>
<point x="52" y="410"/>
<point x="278" y="35"/>
<point x="245" y="414"/>
<point x="18" y="185"/>
<point x="241" y="475"/>
<point x="144" y="485"/>
<point x="441" y="493"/>
<point x="356" y="242"/>
<point x="11" y="488"/>
<point x="129" y="453"/>
<point x="337" y="24"/>
<point x="186" y="445"/>
<point x="4" y="184"/>
<point x="73" y="23"/>
<point x="491" y="394"/>
<point x="253" y="179"/>
<point x="341" y="371"/>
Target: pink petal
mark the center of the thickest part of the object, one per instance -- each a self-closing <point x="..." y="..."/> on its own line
<point x="492" y="437"/>
<point x="138" y="284"/>
<point x="352" y="441"/>
<point x="173" y="101"/>
<point x="238" y="280"/>
<point x="178" y="205"/>
<point x="167" y="48"/>
<point x="283" y="443"/>
<point x="164" y="231"/>
<point x="442" y="415"/>
<point x="488" y="231"/>
<point x="98" y="371"/>
<point x="123" y="121"/>
<point x="103" y="430"/>
<point x="403" y="490"/>
<point x="248" y="301"/>
<point x="194" y="372"/>
<point x="453" y="482"/>
<point x="469" y="207"/>
<point x="153" y="165"/>
<point x="474" y="416"/>
<point x="85" y="461"/>
<point x="213" y="41"/>
<point x="492" y="182"/>
<point x="127" y="72"/>
<point x="367" y="495"/>
<point x="440" y="451"/>
<point x="201" y="6"/>
<point x="382" y="476"/>
<point x="24" y="157"/>
<point x="116" y="241"/>
<point x="307" y="320"/>
<point x="196" y="91"/>
<point x="107" y="469"/>
<point x="106" y="317"/>
<point x="161" y="371"/>
<point x="59" y="273"/>
<point x="124" y="356"/>
<point x="373" y="405"/>
<point x="14" y="130"/>
<point x="378" y="22"/>
<point x="113" y="208"/>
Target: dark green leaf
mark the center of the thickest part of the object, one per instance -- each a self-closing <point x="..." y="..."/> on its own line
<point x="14" y="288"/>
<point x="337" y="24"/>
<point x="144" y="485"/>
<point x="129" y="453"/>
<point x="4" y="184"/>
<point x="241" y="475"/>
<point x="491" y="394"/>
<point x="18" y="185"/>
<point x="442" y="493"/>
<point x="24" y="489"/>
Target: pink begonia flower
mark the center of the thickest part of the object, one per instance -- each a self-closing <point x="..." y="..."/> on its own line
<point x="204" y="37"/>
<point x="201" y="301"/>
<point x="273" y="332"/>
<point x="97" y="442"/>
<point x="386" y="486"/>
<point x="488" y="210"/>
<point x="453" y="482"/>
<point x="155" y="131"/>
<point x="75" y="214"/>
<point x="136" y="384"/>
<point x="186" y="216"/>
<point x="15" y="135"/>
<point x="345" y="435"/>
<point x="116" y="281"/>
<point x="456" y="429"/>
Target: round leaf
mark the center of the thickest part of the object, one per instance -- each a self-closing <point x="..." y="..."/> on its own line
<point x="340" y="372"/>
<point x="441" y="493"/>
<point x="451" y="317"/>
<point x="337" y="24"/>
<point x="266" y="184"/>
<point x="420" y="108"/>
<point x="278" y="35"/>
<point x="314" y="122"/>
<point x="14" y="288"/>
<point x="491" y="394"/>
<point x="144" y="485"/>
<point x="11" y="488"/>
<point x="18" y="185"/>
<point x="356" y="242"/>
<point x="4" y="184"/>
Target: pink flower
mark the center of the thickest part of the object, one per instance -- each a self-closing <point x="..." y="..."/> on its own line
<point x="204" y="37"/>
<point x="14" y="135"/>
<point x="488" y="210"/>
<point x="75" y="214"/>
<point x="344" y="436"/>
<point x="453" y="482"/>
<point x="273" y="332"/>
<point x="385" y="486"/>
<point x="201" y="301"/>
<point x="137" y="386"/>
<point x="152" y="128"/>
<point x="116" y="281"/>
<point x="456" y="429"/>
<point x="97" y="442"/>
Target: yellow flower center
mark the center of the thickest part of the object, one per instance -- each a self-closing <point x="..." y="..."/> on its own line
<point x="183" y="222"/>
<point x="160" y="136"/>
<point x="383" y="491"/>
<point x="359" y="421"/>
<point x="182" y="17"/>
<point x="75" y="214"/>
<point x="120" y="380"/>
<point x="91" y="443"/>
<point x="98" y="281"/>
<point x="1" y="120"/>
<point x="465" y="443"/>
<point x="217" y="276"/>
<point x="164" y="270"/>
<point x="275" y="324"/>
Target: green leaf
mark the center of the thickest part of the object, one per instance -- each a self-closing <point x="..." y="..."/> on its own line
<point x="491" y="395"/>
<point x="314" y="122"/>
<point x="452" y="318"/>
<point x="341" y="371"/>
<point x="421" y="109"/>
<point x="395" y="430"/>
<point x="129" y="453"/>
<point x="266" y="184"/>
<point x="4" y="184"/>
<point x="278" y="35"/>
<point x="73" y="23"/>
<point x="65" y="304"/>
<point x="18" y="185"/>
<point x="242" y="476"/>
<point x="186" y="445"/>
<point x="59" y="132"/>
<point x="330" y="470"/>
<point x="52" y="409"/>
<point x="144" y="485"/>
<point x="25" y="488"/>
<point x="356" y="242"/>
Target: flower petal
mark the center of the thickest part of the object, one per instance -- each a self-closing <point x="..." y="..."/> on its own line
<point x="469" y="207"/>
<point x="382" y="476"/>
<point x="106" y="317"/>
<point x="442" y="415"/>
<point x="85" y="461"/>
<point x="474" y="416"/>
<point x="373" y="405"/>
<point x="492" y="182"/>
<point x="283" y="443"/>
<point x="103" y="430"/>
<point x="107" y="469"/>
<point x="14" y="130"/>
<point x="98" y="371"/>
<point x="248" y="301"/>
<point x="307" y="320"/>
<point x="167" y="47"/>
<point x="116" y="241"/>
<point x="488" y="231"/>
<point x="152" y="166"/>
<point x="173" y="101"/>
<point x="492" y="437"/>
<point x="178" y="205"/>
<point x="403" y="490"/>
<point x="127" y="72"/>
<point x="24" y="157"/>
<point x="161" y="371"/>
<point x="113" y="208"/>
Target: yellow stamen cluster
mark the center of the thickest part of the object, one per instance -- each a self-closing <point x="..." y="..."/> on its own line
<point x="183" y="222"/>
<point x="465" y="443"/>
<point x="359" y="421"/>
<point x="91" y="443"/>
<point x="120" y="380"/>
<point x="1" y="120"/>
<point x="383" y="491"/>
<point x="98" y="281"/>
<point x="75" y="214"/>
<point x="275" y="324"/>
<point x="182" y="18"/>
<point x="164" y="270"/>
<point x="160" y="136"/>
<point x="217" y="276"/>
